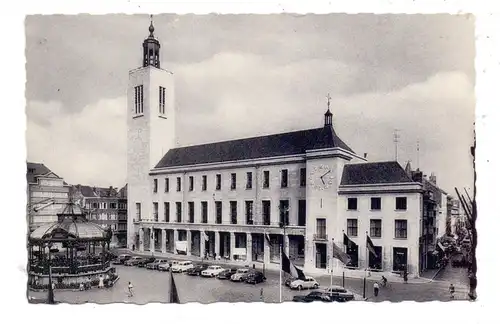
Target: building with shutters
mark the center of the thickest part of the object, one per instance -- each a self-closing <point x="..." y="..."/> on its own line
<point x="305" y="189"/>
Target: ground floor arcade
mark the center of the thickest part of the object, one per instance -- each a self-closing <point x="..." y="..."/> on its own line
<point x="228" y="245"/>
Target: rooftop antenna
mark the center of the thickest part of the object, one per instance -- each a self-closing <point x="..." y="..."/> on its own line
<point x="418" y="154"/>
<point x="396" y="141"/>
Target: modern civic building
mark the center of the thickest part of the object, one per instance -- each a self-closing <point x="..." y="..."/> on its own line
<point x="305" y="189"/>
<point x="47" y="195"/>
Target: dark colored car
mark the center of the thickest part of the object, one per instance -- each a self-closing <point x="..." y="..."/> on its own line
<point x="339" y="294"/>
<point x="312" y="296"/>
<point x="255" y="278"/>
<point x="226" y="274"/>
<point x="122" y="258"/>
<point x="143" y="262"/>
<point x="197" y="269"/>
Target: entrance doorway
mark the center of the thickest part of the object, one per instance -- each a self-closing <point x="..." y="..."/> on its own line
<point x="400" y="259"/>
<point x="321" y="256"/>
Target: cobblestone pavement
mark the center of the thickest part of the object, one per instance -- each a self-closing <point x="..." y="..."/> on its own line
<point x="154" y="286"/>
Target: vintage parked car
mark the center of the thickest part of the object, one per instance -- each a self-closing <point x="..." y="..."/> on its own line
<point x="122" y="258"/>
<point x="133" y="261"/>
<point x="154" y="265"/>
<point x="339" y="294"/>
<point x="240" y="275"/>
<point x="255" y="277"/>
<point x="226" y="274"/>
<point x="197" y="269"/>
<point x="308" y="283"/>
<point x="312" y="296"/>
<point x="164" y="266"/>
<point x="212" y="271"/>
<point x="145" y="261"/>
<point x="182" y="266"/>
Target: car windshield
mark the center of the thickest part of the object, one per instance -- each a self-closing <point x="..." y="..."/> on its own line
<point x="242" y="271"/>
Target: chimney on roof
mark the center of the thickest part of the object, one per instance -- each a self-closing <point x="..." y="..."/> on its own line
<point x="365" y="155"/>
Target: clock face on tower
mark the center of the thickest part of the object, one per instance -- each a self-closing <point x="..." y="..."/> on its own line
<point x="321" y="177"/>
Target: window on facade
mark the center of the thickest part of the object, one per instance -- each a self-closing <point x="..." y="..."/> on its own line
<point x="376" y="203"/>
<point x="191" y="211"/>
<point x="249" y="212"/>
<point x="167" y="185"/>
<point x="266" y="212"/>
<point x="218" y="181"/>
<point x="218" y="212"/>
<point x="302" y="213"/>
<point x="233" y="205"/>
<point x="321" y="228"/>
<point x="352" y="203"/>
<point x="161" y="93"/>
<point x="139" y="99"/>
<point x="166" y="211"/>
<point x="303" y="177"/>
<point x="112" y="205"/>
<point x="204" y="183"/>
<point x="138" y="211"/>
<point x="178" y="211"/>
<point x="178" y="183"/>
<point x="400" y="203"/>
<point x="155" y="185"/>
<point x="204" y="212"/>
<point x="284" y="178"/>
<point x="233" y="181"/>
<point x="249" y="180"/>
<point x="155" y="211"/>
<point x="400" y="227"/>
<point x="191" y="183"/>
<point x="352" y="227"/>
<point x="284" y="210"/>
<point x="375" y="228"/>
<point x="265" y="182"/>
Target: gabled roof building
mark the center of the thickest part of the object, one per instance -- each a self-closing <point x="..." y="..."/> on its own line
<point x="242" y="199"/>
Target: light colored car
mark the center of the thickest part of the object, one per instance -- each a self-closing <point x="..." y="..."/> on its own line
<point x="240" y="274"/>
<point x="163" y="266"/>
<point x="308" y="283"/>
<point x="154" y="265"/>
<point x="212" y="271"/>
<point x="182" y="266"/>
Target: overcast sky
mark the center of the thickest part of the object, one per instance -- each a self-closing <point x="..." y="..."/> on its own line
<point x="245" y="75"/>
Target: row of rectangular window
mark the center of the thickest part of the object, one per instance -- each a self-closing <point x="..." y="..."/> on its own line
<point x="400" y="228"/>
<point x="376" y="203"/>
<point x="218" y="181"/>
<point x="233" y="211"/>
<point x="104" y="205"/>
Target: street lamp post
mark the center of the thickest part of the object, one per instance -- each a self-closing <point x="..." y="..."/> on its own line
<point x="50" y="297"/>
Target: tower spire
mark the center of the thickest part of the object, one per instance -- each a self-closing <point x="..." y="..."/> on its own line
<point x="151" y="48"/>
<point x="328" y="114"/>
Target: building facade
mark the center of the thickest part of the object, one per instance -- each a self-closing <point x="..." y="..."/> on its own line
<point x="304" y="190"/>
<point x="106" y="207"/>
<point x="47" y="195"/>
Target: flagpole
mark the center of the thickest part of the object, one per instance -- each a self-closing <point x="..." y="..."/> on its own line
<point x="331" y="267"/>
<point x="281" y="260"/>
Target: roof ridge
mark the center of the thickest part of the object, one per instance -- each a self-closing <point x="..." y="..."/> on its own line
<point x="250" y="138"/>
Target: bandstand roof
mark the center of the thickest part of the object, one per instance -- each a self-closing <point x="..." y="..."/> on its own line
<point x="71" y="226"/>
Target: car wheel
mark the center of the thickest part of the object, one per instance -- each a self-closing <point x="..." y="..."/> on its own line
<point x="315" y="286"/>
<point x="299" y="287"/>
<point x="241" y="279"/>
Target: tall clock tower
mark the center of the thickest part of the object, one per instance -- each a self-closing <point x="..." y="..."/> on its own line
<point x="150" y="129"/>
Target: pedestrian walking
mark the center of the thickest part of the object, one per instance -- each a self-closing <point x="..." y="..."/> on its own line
<point x="375" y="289"/>
<point x="452" y="291"/>
<point x="101" y="281"/>
<point x="261" y="294"/>
<point x="405" y="276"/>
<point x="130" y="289"/>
